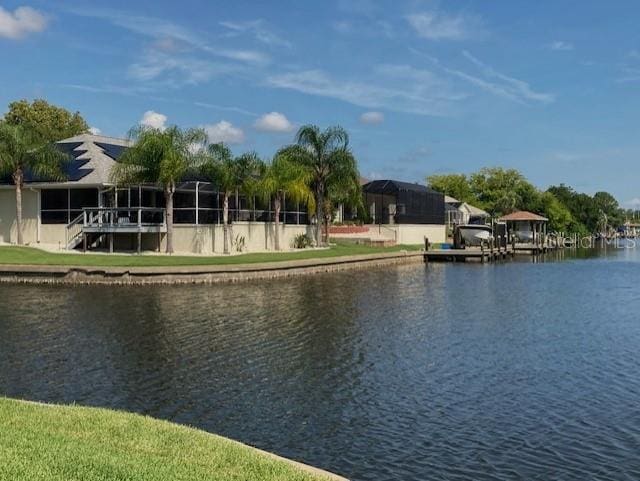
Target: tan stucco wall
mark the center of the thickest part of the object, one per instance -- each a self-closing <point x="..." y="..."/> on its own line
<point x="8" y="231"/>
<point x="258" y="236"/>
<point x="409" y="233"/>
<point x="53" y="234"/>
<point x="203" y="239"/>
<point x="415" y="233"/>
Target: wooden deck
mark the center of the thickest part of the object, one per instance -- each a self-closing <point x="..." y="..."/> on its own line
<point x="486" y="254"/>
<point x="463" y="255"/>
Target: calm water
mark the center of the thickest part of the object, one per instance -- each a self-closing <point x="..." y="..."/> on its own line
<point x="507" y="371"/>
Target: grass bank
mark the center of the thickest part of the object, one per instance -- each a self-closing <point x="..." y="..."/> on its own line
<point x="60" y="443"/>
<point x="32" y="256"/>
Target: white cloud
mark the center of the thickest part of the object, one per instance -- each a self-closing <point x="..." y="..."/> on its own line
<point x="224" y="132"/>
<point x="440" y="26"/>
<point x="169" y="36"/>
<point x="259" y="30"/>
<point x="372" y="118"/>
<point x="632" y="203"/>
<point x="500" y="84"/>
<point x="95" y="130"/>
<point x="177" y="70"/>
<point x="561" y="46"/>
<point x="400" y="88"/>
<point x="273" y="122"/>
<point x="226" y="108"/>
<point x="154" y="120"/>
<point x="22" y="21"/>
<point x="630" y="68"/>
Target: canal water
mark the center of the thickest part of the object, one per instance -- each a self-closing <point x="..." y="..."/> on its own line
<point x="517" y="370"/>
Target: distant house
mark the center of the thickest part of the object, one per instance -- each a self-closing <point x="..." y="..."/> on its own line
<point x="87" y="205"/>
<point x="396" y="202"/>
<point x="461" y="213"/>
<point x="412" y="211"/>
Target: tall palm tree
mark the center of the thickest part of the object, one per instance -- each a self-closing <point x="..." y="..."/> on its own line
<point x="161" y="157"/>
<point x="284" y="178"/>
<point x="22" y="151"/>
<point x="327" y="156"/>
<point x="231" y="175"/>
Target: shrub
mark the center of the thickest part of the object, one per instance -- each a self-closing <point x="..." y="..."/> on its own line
<point x="302" y="241"/>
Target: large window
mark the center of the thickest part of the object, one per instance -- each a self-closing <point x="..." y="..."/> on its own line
<point x="80" y="198"/>
<point x="61" y="206"/>
<point x="184" y="205"/>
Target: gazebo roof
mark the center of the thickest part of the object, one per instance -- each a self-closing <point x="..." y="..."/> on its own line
<point x="523" y="215"/>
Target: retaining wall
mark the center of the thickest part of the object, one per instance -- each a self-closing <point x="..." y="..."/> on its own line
<point x="198" y="274"/>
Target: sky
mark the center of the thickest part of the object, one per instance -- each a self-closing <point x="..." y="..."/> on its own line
<point x="550" y="88"/>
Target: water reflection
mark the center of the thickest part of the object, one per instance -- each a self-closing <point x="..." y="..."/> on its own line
<point x="513" y="370"/>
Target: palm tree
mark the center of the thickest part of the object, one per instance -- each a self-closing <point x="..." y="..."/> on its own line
<point x="22" y="151"/>
<point x="231" y="175"/>
<point x="162" y="157"/>
<point x="327" y="156"/>
<point x="284" y="178"/>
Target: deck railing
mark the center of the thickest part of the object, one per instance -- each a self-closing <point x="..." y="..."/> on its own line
<point x="114" y="217"/>
<point x="73" y="231"/>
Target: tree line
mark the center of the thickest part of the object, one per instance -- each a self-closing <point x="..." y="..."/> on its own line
<point x="501" y="191"/>
<point x="318" y="170"/>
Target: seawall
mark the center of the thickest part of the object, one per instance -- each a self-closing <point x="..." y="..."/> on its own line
<point x="201" y="274"/>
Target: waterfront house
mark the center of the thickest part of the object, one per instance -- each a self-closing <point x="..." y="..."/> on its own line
<point x="460" y="213"/>
<point x="88" y="207"/>
<point x="526" y="227"/>
<point x="409" y="211"/>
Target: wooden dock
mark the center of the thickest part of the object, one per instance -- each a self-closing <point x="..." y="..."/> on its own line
<point x="473" y="253"/>
<point x="487" y="253"/>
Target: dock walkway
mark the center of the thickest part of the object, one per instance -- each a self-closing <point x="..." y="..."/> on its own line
<point x="486" y="254"/>
<point x="473" y="253"/>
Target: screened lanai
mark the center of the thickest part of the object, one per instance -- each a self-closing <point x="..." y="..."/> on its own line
<point x="396" y="202"/>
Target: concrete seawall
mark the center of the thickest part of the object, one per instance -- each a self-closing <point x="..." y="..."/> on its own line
<point x="202" y="274"/>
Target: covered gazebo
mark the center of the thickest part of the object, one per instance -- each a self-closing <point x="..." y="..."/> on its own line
<point x="526" y="227"/>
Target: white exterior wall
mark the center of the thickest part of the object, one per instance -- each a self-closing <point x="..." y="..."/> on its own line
<point x="8" y="230"/>
<point x="410" y="233"/>
<point x="415" y="233"/>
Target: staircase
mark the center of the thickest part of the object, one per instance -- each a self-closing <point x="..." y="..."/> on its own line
<point x="73" y="232"/>
<point x="98" y="222"/>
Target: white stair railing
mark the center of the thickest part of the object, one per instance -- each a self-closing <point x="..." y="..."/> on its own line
<point x="73" y="231"/>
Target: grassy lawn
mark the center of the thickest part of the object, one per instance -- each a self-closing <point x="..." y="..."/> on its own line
<point x="61" y="443"/>
<point x="32" y="256"/>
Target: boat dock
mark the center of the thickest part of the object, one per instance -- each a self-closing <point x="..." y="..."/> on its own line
<point x="490" y="252"/>
<point x="473" y="253"/>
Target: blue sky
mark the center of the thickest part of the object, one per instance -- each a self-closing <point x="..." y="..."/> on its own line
<point x="550" y="87"/>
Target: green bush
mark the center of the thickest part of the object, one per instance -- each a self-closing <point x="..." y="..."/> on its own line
<point x="302" y="241"/>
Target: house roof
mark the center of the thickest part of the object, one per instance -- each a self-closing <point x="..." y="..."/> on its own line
<point x="473" y="210"/>
<point x="393" y="186"/>
<point x="93" y="157"/>
<point x="523" y="215"/>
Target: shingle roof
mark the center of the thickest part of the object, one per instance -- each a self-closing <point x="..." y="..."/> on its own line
<point x="93" y="157"/>
<point x="473" y="210"/>
<point x="523" y="215"/>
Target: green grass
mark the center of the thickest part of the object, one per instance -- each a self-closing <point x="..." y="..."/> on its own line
<point x="32" y="256"/>
<point x="64" y="443"/>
